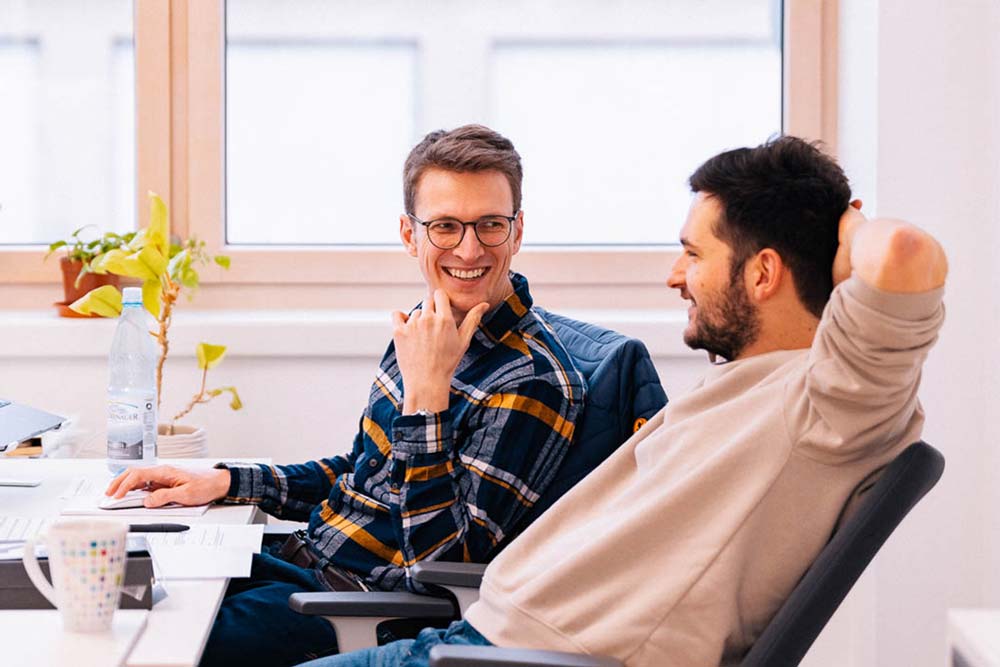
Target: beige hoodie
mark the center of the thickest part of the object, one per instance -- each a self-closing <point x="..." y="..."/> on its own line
<point x="681" y="546"/>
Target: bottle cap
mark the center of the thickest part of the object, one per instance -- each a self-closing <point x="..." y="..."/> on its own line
<point x="132" y="296"/>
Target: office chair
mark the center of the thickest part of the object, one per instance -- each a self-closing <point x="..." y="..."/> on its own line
<point x="882" y="500"/>
<point x="623" y="391"/>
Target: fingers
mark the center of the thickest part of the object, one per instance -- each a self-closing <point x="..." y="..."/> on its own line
<point x="113" y="486"/>
<point x="133" y="478"/>
<point x="442" y="305"/>
<point x="471" y="321"/>
<point x="163" y="496"/>
<point x="139" y="478"/>
<point x="399" y="318"/>
<point x="428" y="304"/>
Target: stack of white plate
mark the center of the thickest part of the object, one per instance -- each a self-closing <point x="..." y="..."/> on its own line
<point x="187" y="442"/>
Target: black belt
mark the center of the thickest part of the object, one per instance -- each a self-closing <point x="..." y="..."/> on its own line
<point x="296" y="551"/>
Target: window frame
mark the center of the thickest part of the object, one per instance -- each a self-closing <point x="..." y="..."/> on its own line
<point x="180" y="143"/>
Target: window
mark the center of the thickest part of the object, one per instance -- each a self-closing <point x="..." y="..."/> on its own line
<point x="610" y="104"/>
<point x="67" y="124"/>
<point x="245" y="81"/>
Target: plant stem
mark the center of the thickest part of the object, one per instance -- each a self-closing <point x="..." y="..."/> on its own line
<point x="168" y="294"/>
<point x="198" y="398"/>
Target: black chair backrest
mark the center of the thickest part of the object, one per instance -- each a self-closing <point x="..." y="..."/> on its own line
<point x="623" y="390"/>
<point x="861" y="534"/>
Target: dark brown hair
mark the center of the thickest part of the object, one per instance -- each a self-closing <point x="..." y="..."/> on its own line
<point x="469" y="148"/>
<point x="784" y="194"/>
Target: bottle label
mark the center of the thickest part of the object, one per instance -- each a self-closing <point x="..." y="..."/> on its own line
<point x="131" y="428"/>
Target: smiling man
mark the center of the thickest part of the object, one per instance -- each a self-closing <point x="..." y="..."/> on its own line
<point x="678" y="549"/>
<point x="471" y="412"/>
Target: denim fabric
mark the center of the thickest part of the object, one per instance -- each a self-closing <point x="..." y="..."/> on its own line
<point x="255" y="627"/>
<point x="407" y="652"/>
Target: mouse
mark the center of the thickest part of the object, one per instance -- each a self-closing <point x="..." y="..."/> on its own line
<point x="130" y="500"/>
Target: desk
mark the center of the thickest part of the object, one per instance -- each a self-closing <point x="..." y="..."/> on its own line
<point x="974" y="637"/>
<point x="177" y="627"/>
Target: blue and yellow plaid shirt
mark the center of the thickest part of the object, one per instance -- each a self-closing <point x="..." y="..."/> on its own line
<point x="447" y="486"/>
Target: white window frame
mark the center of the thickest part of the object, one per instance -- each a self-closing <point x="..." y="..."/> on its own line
<point x="180" y="69"/>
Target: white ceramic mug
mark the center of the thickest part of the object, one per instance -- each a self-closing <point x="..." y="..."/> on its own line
<point x="87" y="566"/>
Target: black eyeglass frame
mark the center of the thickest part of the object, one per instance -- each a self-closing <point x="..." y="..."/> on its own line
<point x="427" y="225"/>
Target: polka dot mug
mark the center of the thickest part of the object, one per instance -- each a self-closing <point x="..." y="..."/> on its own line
<point x="87" y="565"/>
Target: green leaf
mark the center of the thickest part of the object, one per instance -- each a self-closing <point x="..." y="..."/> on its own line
<point x="147" y="264"/>
<point x="236" y="403"/>
<point x="210" y="356"/>
<point x="53" y="247"/>
<point x="178" y="263"/>
<point x="158" y="232"/>
<point x="222" y="260"/>
<point x="151" y="296"/>
<point x="105" y="301"/>
<point x="189" y="278"/>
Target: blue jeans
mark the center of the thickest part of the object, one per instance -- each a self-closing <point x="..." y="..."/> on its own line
<point x="255" y="627"/>
<point x="406" y="652"/>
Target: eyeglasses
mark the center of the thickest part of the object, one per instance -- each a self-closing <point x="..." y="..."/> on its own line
<point x="447" y="233"/>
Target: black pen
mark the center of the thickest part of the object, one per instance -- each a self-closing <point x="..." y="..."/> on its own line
<point x="157" y="528"/>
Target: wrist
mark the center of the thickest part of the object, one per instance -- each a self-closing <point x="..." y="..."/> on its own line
<point x="222" y="482"/>
<point x="430" y="400"/>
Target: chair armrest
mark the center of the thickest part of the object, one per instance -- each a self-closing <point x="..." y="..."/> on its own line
<point x="392" y="605"/>
<point x="355" y="616"/>
<point x="466" y="575"/>
<point x="460" y="580"/>
<point x="443" y="655"/>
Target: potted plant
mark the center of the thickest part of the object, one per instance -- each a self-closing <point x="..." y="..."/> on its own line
<point x="77" y="276"/>
<point x="165" y="269"/>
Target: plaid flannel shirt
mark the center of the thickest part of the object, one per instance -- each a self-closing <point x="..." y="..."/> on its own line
<point x="445" y="486"/>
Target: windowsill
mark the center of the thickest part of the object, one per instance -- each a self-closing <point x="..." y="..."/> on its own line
<point x="287" y="333"/>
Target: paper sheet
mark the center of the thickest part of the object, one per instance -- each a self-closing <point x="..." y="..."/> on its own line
<point x="206" y="551"/>
<point x="83" y="486"/>
<point x="19" y="528"/>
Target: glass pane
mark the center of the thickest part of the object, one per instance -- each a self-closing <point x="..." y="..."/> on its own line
<point x="611" y="103"/>
<point x="313" y="148"/>
<point x="67" y="124"/>
<point x="610" y="134"/>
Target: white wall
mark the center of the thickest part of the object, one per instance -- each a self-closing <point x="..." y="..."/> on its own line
<point x="919" y="135"/>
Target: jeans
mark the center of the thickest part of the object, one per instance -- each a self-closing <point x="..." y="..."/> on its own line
<point x="406" y="652"/>
<point x="255" y="627"/>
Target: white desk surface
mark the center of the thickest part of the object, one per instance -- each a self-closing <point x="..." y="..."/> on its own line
<point x="975" y="634"/>
<point x="177" y="627"/>
<point x="41" y="640"/>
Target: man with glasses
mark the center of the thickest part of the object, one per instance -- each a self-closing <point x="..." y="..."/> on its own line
<point x="471" y="412"/>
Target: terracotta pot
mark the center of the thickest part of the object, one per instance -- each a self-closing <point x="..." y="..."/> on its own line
<point x="70" y="270"/>
<point x="187" y="442"/>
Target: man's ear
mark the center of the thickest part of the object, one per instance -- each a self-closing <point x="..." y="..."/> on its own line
<point x="764" y="274"/>
<point x="407" y="235"/>
<point x="517" y="232"/>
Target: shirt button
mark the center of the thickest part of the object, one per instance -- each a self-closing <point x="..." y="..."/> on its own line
<point x="372" y="463"/>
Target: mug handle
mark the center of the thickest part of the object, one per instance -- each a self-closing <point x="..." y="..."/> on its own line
<point x="35" y="572"/>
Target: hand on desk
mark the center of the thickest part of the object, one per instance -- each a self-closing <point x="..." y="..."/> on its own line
<point x="172" y="485"/>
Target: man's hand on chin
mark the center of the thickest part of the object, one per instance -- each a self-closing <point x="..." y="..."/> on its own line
<point x="429" y="346"/>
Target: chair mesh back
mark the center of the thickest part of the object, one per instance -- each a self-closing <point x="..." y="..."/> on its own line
<point x="825" y="585"/>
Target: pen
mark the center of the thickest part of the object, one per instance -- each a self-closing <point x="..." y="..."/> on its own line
<point x="157" y="528"/>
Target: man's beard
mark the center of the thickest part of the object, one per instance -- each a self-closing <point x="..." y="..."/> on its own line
<point x="730" y="327"/>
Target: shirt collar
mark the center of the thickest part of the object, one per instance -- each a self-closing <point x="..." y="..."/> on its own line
<point x="505" y="316"/>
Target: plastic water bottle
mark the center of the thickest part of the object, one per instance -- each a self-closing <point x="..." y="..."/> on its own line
<point x="132" y="387"/>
